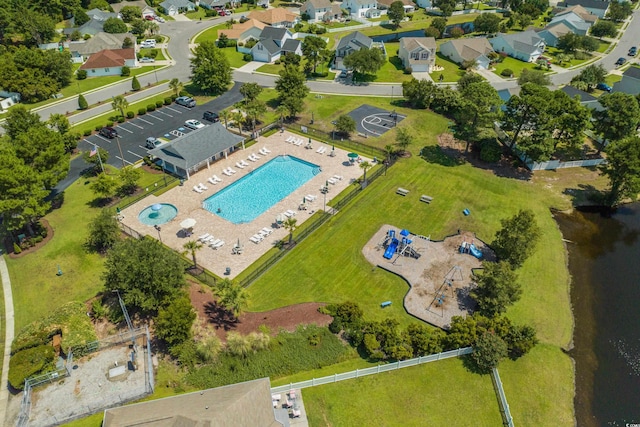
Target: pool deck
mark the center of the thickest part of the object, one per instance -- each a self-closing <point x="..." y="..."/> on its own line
<point x="189" y="204"/>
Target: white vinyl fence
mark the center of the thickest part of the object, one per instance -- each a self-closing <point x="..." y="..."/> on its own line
<point x="373" y="370"/>
<point x="504" y="405"/>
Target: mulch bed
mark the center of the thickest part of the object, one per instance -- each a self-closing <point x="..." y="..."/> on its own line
<point x="221" y="321"/>
<point x="37" y="246"/>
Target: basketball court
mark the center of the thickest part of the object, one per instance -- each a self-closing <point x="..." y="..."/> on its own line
<point x="374" y="121"/>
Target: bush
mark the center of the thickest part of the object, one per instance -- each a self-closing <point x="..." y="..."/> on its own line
<point x="507" y="72"/>
<point x="82" y="102"/>
<point x="184" y="93"/>
<point x="210" y="13"/>
<point x="151" y="107"/>
<point x="135" y="84"/>
<point x="121" y="119"/>
<point x="490" y="151"/>
<point x="174" y="97"/>
<point x="29" y="362"/>
<point x="98" y="127"/>
<point x="247" y="57"/>
<point x="87" y="132"/>
<point x="408" y="70"/>
<point x="130" y="114"/>
<point x="168" y="100"/>
<point x="110" y="124"/>
<point x="81" y="74"/>
<point x="16" y="248"/>
<point x="125" y="71"/>
<point x="142" y="111"/>
<point x="159" y="104"/>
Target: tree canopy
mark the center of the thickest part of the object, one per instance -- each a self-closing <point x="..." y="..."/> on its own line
<point x="591" y="76"/>
<point x="174" y="321"/>
<point x="315" y="50"/>
<point x="115" y="26"/>
<point x="487" y="23"/>
<point x="604" y="28"/>
<point x="479" y="108"/>
<point x="396" y="13"/>
<point x="365" y="61"/>
<point x="623" y="170"/>
<point x="292" y="89"/>
<point x="497" y="288"/>
<point x="516" y="241"/>
<point x="619" y="117"/>
<point x="488" y="350"/>
<point x="210" y="68"/>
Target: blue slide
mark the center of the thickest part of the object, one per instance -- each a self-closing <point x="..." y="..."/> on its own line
<point x="391" y="249"/>
<point x="475" y="251"/>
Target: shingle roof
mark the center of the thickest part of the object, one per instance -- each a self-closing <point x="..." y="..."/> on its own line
<point x="177" y="3"/>
<point x="109" y="58"/>
<point x="525" y="41"/>
<point x="411" y="43"/>
<point x="633" y="72"/>
<point x="100" y="15"/>
<point x="470" y="49"/>
<point x="273" y="33"/>
<point x="388" y="2"/>
<point x="584" y="96"/>
<point x="237" y="30"/>
<point x="243" y="404"/>
<point x="580" y="11"/>
<point x="273" y="16"/>
<point x="559" y="29"/>
<point x="318" y="4"/>
<point x="194" y="147"/>
<point x="270" y="45"/>
<point x="100" y="42"/>
<point x="589" y="4"/>
<point x="357" y="38"/>
<point x="290" y="45"/>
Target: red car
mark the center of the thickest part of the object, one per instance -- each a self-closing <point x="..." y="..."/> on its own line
<point x="221" y="13"/>
<point x="149" y="18"/>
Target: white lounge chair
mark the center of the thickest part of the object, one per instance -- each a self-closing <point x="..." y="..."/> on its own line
<point x="267" y="230"/>
<point x="243" y="163"/>
<point x="251" y="158"/>
<point x="255" y="156"/>
<point x="213" y="242"/>
<point x="197" y="189"/>
<point x="338" y="177"/>
<point x="310" y="197"/>
<point x="215" y="178"/>
<point x="208" y="240"/>
<point x="299" y="142"/>
<point x="202" y="186"/>
<point x="266" y="150"/>
<point x="256" y="238"/>
<point x="213" y="181"/>
<point x="226" y="172"/>
<point x="290" y="213"/>
<point x="217" y="245"/>
<point x="238" y="164"/>
<point x="332" y="181"/>
<point x="204" y="236"/>
<point x="319" y="150"/>
<point x="261" y="151"/>
<point x="231" y="170"/>
<point x="290" y="139"/>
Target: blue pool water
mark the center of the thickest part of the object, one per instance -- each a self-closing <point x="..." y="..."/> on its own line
<point x="150" y="217"/>
<point x="250" y="196"/>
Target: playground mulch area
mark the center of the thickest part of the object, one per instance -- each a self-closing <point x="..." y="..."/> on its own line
<point x="210" y="314"/>
<point x="374" y="121"/>
<point x="440" y="279"/>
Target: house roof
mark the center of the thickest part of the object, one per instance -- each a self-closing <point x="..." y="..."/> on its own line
<point x="243" y="404"/>
<point x="362" y="2"/>
<point x="270" y="45"/>
<point x="237" y="30"/>
<point x="580" y="11"/>
<point x="191" y="149"/>
<point x="100" y="41"/>
<point x="317" y="4"/>
<point x="387" y="3"/>
<point x="273" y="16"/>
<point x="273" y="33"/>
<point x="573" y="92"/>
<point x="589" y="4"/>
<point x="632" y="72"/>
<point x="471" y="49"/>
<point x="356" y="38"/>
<point x="411" y="43"/>
<point x="108" y="58"/>
<point x="177" y="4"/>
<point x="525" y="41"/>
<point x="101" y="15"/>
<point x="290" y="45"/>
<point x="558" y="29"/>
<point x="92" y="26"/>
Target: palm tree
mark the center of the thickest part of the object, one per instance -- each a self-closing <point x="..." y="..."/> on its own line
<point x="238" y="118"/>
<point x="290" y="225"/>
<point x="282" y="111"/>
<point x="235" y="299"/>
<point x="190" y="248"/>
<point x="176" y="86"/>
<point x="365" y="166"/>
<point x="225" y="116"/>
<point x="119" y="104"/>
<point x="389" y="150"/>
<point x="403" y="139"/>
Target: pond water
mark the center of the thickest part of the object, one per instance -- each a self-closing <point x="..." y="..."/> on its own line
<point x="604" y="255"/>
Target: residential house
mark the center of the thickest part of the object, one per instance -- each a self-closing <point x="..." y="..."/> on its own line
<point x="425" y="4"/>
<point x="630" y="82"/>
<point x="461" y="50"/>
<point x="109" y="62"/>
<point x="576" y="18"/>
<point x="506" y="94"/>
<point x="175" y="7"/>
<point x="81" y="50"/>
<point x="8" y="99"/>
<point x="148" y="11"/>
<point x="321" y="10"/>
<point x="362" y="8"/>
<point x="218" y="4"/>
<point x="418" y="53"/>
<point x="91" y="27"/>
<point x="552" y="33"/>
<point x="526" y="46"/>
<point x="595" y="7"/>
<point x="101" y="15"/>
<point x="184" y="156"/>
<point x="348" y="44"/>
<point x="586" y="99"/>
<point x="242" y="404"/>
<point x="409" y="6"/>
<point x="250" y="29"/>
<point x="273" y="43"/>
<point x="276" y="17"/>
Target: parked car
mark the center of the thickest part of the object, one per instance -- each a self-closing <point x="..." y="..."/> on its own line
<point x="604" y="86"/>
<point x="149" y="17"/>
<point x="108" y="132"/>
<point x="193" y="124"/>
<point x="186" y="101"/>
<point x="222" y="13"/>
<point x="145" y="45"/>
<point x="633" y="51"/>
<point x="211" y="116"/>
<point x="152" y="143"/>
<point x="243" y="19"/>
<point x="146" y="59"/>
<point x="160" y="19"/>
<point x="621" y="61"/>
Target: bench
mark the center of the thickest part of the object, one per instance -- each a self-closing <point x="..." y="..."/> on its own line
<point x="426" y="199"/>
<point x="401" y="191"/>
<point x="385" y="304"/>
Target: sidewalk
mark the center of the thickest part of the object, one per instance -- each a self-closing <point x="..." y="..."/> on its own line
<point x="251" y="67"/>
<point x="9" y="325"/>
<point x="489" y="75"/>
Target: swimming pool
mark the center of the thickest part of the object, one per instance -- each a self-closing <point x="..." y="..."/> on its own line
<point x="166" y="213"/>
<point x="250" y="196"/>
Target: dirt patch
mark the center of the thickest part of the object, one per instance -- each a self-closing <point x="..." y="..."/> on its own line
<point x="212" y="315"/>
<point x="507" y="167"/>
<point x="37" y="246"/>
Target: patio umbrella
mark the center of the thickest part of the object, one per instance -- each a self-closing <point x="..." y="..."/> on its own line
<point x="353" y="155"/>
<point x="280" y="218"/>
<point x="188" y="223"/>
<point x="156" y="207"/>
<point x="304" y="200"/>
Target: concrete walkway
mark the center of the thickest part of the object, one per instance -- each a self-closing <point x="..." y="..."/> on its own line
<point x="489" y="75"/>
<point x="8" y="309"/>
<point x="250" y="67"/>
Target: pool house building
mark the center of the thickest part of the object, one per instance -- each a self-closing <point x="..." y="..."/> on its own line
<point x="196" y="150"/>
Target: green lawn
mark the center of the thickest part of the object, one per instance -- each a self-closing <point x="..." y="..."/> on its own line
<point x="149" y="53"/>
<point x="514" y="65"/>
<point x="552" y="52"/>
<point x="604" y="45"/>
<point x="210" y="34"/>
<point x="442" y="393"/>
<point x="196" y="14"/>
<point x="235" y="58"/>
<point x="270" y="68"/>
<point x="341" y="24"/>
<point x="452" y="71"/>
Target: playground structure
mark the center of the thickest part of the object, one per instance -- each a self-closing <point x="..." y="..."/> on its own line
<point x="471" y="249"/>
<point x="403" y="247"/>
<point x="447" y="285"/>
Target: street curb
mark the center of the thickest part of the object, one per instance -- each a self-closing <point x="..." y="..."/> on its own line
<point x="9" y="334"/>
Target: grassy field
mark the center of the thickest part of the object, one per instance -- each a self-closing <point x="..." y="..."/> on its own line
<point x="210" y="34"/>
<point x="514" y="65"/>
<point x="148" y="52"/>
<point x="443" y="393"/>
<point x="236" y="59"/>
<point x="452" y="71"/>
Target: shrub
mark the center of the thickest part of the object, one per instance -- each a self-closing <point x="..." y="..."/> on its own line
<point x="82" y="102"/>
<point x="98" y="127"/>
<point x="26" y="363"/>
<point x="247" y="57"/>
<point x="408" y="70"/>
<point x="174" y="97"/>
<point x="151" y="107"/>
<point x="121" y="119"/>
<point x="87" y="132"/>
<point x="184" y="93"/>
<point x="159" y="104"/>
<point x="210" y="13"/>
<point x="490" y="151"/>
<point x="277" y="62"/>
<point x="167" y="100"/>
<point x="81" y="74"/>
<point x="507" y="72"/>
<point x="110" y="123"/>
<point x="142" y="111"/>
<point x="16" y="248"/>
<point x="130" y="114"/>
<point x="125" y="71"/>
<point x="135" y="84"/>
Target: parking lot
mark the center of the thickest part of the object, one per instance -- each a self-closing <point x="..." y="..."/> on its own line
<point x="166" y="122"/>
